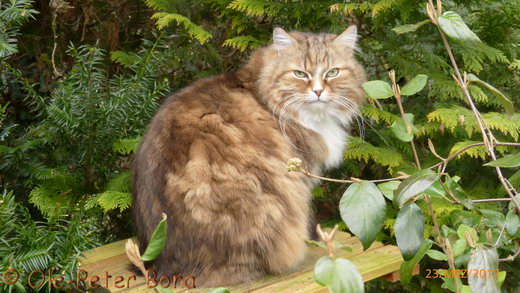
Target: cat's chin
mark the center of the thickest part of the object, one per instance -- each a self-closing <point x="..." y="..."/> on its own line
<point x="318" y="105"/>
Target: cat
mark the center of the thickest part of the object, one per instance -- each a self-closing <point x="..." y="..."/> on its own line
<point x="214" y="159"/>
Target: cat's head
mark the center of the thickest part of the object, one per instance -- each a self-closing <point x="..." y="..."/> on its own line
<point x="309" y="76"/>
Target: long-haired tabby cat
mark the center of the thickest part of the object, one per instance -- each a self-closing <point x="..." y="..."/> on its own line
<point x="214" y="158"/>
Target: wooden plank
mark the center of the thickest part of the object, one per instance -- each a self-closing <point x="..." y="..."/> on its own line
<point x="375" y="262"/>
<point x="396" y="276"/>
<point x="104" y="252"/>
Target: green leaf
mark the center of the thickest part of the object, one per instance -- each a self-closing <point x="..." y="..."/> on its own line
<point x="464" y="217"/>
<point x="511" y="203"/>
<point x="509" y="161"/>
<point x="484" y="259"/>
<point x="449" y="282"/>
<point x="462" y="229"/>
<point x="387" y="188"/>
<point x="417" y="183"/>
<point x="512" y="222"/>
<point x="415" y="85"/>
<point x="400" y="131"/>
<point x="409" y="229"/>
<point x="218" y="290"/>
<point x="436" y="190"/>
<point x="458" y="193"/>
<point x="406" y="28"/>
<point x="316" y="243"/>
<point x="378" y="89"/>
<point x="339" y="275"/>
<point x="157" y="241"/>
<point x="363" y="209"/>
<point x="437" y="255"/>
<point x="501" y="278"/>
<point x="453" y="25"/>
<point x="407" y="267"/>
<point x="492" y="218"/>
<point x="459" y="247"/>
<point x="505" y="101"/>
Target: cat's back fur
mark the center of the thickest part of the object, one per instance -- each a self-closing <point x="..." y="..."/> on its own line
<point x="214" y="160"/>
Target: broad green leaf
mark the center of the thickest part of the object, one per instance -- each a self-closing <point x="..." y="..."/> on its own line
<point x="459" y="193"/>
<point x="447" y="231"/>
<point x="363" y="209"/>
<point x="437" y="255"/>
<point x="407" y="267"/>
<point x="339" y="275"/>
<point x="378" y="89"/>
<point x="409" y="229"/>
<point x="387" y="188"/>
<point x="417" y="183"/>
<point x="452" y="25"/>
<point x="511" y="203"/>
<point x="501" y="278"/>
<point x="509" y="161"/>
<point x="415" y="85"/>
<point x="464" y="217"/>
<point x="459" y="247"/>
<point x="484" y="259"/>
<point x="406" y="28"/>
<point x="436" y="190"/>
<point x="505" y="101"/>
<point x="461" y="231"/>
<point x="449" y="282"/>
<point x="217" y="290"/>
<point x="492" y="218"/>
<point x="400" y="131"/>
<point x="512" y="222"/>
<point x="157" y="241"/>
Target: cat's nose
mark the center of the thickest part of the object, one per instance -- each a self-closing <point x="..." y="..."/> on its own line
<point x="318" y="92"/>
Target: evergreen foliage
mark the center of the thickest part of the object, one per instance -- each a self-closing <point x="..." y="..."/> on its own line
<point x="29" y="245"/>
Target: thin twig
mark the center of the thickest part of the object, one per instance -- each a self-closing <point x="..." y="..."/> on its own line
<point x="456" y="154"/>
<point x="511" y="257"/>
<point x="397" y="94"/>
<point x="352" y="179"/>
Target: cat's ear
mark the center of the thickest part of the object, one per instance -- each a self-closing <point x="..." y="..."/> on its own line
<point x="281" y="39"/>
<point x="348" y="37"/>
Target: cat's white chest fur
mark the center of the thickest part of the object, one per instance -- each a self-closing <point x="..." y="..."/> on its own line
<point x="333" y="134"/>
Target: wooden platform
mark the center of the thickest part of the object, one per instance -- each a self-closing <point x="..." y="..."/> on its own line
<point x="377" y="261"/>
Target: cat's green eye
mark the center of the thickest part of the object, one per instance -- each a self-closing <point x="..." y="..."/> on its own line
<point x="333" y="72"/>
<point x="300" y="74"/>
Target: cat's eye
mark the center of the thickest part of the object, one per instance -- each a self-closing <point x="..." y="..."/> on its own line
<point x="333" y="72"/>
<point x="300" y="74"/>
